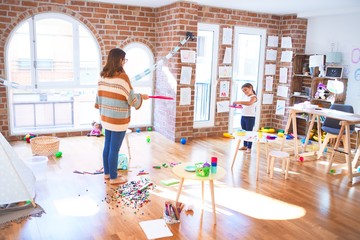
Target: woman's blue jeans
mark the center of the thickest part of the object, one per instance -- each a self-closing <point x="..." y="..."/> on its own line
<point x="113" y="141"/>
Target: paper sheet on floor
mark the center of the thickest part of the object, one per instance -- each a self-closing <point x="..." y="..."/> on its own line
<point x="155" y="229"/>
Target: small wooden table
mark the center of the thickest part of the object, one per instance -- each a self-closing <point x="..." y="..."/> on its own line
<point x="252" y="136"/>
<point x="179" y="170"/>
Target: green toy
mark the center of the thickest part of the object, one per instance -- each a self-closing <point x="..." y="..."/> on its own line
<point x="58" y="154"/>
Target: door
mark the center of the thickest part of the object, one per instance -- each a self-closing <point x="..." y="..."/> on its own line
<point x="249" y="54"/>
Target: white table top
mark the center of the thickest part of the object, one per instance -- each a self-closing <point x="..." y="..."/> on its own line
<point x="331" y="113"/>
<point x="179" y="170"/>
<point x="252" y="136"/>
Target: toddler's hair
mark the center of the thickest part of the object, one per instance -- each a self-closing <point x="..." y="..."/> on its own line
<point x="248" y="85"/>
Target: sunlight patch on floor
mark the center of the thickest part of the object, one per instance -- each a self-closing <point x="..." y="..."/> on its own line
<point x="76" y="206"/>
<point x="237" y="199"/>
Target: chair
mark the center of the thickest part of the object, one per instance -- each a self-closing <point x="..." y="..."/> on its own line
<point x="283" y="156"/>
<point x="332" y="126"/>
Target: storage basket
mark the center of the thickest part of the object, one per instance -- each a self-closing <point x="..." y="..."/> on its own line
<point x="44" y="145"/>
<point x="202" y="171"/>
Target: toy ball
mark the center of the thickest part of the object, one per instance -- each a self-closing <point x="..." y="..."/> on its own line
<point x="301" y="159"/>
<point x="149" y="129"/>
<point x="332" y="170"/>
<point x="58" y="154"/>
<point x="183" y="140"/>
<point x="148" y="139"/>
<point x="137" y="130"/>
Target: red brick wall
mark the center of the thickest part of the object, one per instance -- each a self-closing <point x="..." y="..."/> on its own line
<point x="173" y="21"/>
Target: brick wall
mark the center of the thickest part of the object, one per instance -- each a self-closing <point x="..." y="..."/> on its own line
<point x="173" y="21"/>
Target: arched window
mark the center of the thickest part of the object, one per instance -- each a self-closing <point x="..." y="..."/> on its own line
<point x="55" y="61"/>
<point x="140" y="58"/>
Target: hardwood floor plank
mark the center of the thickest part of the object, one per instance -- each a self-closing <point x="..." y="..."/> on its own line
<point x="309" y="205"/>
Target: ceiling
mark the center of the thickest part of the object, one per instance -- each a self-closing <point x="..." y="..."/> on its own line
<point x="303" y="8"/>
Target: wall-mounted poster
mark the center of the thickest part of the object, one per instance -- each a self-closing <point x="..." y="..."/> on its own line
<point x="225" y="72"/>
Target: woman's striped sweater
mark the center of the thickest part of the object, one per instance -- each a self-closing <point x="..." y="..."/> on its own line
<point x="114" y="99"/>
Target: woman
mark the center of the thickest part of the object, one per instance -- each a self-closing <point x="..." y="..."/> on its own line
<point x="114" y="98"/>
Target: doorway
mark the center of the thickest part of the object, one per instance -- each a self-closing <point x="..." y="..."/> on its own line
<point x="249" y="54"/>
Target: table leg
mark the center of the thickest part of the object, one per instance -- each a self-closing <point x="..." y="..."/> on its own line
<point x="236" y="152"/>
<point x="337" y="143"/>
<point x="179" y="190"/>
<point x="311" y="125"/>
<point x="202" y="194"/>
<point x="286" y="130"/>
<point x="257" y="160"/>
<point x="213" y="199"/>
<point x="348" y="152"/>
<point x="296" y="148"/>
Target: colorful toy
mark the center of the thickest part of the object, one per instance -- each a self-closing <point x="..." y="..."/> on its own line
<point x="301" y="159"/>
<point x="267" y="129"/>
<point x="289" y="137"/>
<point x="149" y="129"/>
<point x="280" y="134"/>
<point x="97" y="129"/>
<point x="137" y="130"/>
<point x="183" y="140"/>
<point x="148" y="139"/>
<point x="58" y="154"/>
<point x="228" y="135"/>
<point x="322" y="92"/>
<point x="122" y="161"/>
<point x="270" y="137"/>
<point x="28" y="137"/>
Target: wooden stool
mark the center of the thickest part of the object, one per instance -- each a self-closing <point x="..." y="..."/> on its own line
<point x="284" y="156"/>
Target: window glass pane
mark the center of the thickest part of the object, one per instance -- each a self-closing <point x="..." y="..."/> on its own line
<point x="19" y="56"/>
<point x="247" y="68"/>
<point x="138" y="62"/>
<point x="54" y="50"/>
<point x="203" y="75"/>
<point x="89" y="58"/>
<point x="140" y="58"/>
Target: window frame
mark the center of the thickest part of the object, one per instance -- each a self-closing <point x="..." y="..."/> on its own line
<point x="48" y="87"/>
<point x="214" y="64"/>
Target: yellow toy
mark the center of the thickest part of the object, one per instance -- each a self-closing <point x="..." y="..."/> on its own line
<point x="228" y="135"/>
<point x="267" y="130"/>
<point x="280" y="134"/>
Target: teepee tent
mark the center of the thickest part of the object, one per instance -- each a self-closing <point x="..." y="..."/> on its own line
<point x="17" y="182"/>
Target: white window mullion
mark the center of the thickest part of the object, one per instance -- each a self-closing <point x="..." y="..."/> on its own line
<point x="76" y="63"/>
<point x="32" y="26"/>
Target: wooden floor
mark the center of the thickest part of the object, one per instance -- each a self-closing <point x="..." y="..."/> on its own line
<point x="309" y="205"/>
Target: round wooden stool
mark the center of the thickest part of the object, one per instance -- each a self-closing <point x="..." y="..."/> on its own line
<point x="284" y="156"/>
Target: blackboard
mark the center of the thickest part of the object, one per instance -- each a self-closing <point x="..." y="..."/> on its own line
<point x="334" y="72"/>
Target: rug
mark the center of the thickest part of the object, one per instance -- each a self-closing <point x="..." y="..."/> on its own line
<point x="12" y="213"/>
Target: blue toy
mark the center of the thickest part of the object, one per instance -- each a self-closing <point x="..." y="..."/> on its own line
<point x="183" y="141"/>
<point x="137" y="130"/>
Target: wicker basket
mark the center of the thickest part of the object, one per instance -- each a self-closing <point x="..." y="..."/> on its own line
<point x="44" y="145"/>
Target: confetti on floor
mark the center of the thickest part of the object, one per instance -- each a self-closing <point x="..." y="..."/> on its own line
<point x="133" y="194"/>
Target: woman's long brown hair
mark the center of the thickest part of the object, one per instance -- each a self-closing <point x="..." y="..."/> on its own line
<point x="114" y="64"/>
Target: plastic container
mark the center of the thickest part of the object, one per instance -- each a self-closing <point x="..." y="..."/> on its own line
<point x="38" y="165"/>
<point x="202" y="171"/>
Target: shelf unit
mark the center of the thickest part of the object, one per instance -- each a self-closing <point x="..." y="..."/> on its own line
<point x="306" y="84"/>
